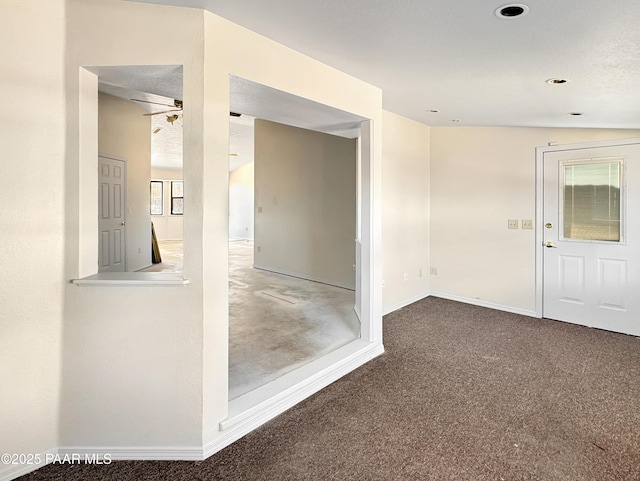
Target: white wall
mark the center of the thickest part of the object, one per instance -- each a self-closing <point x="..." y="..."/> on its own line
<point x="124" y="133"/>
<point x="167" y="226"/>
<point x="32" y="149"/>
<point x="480" y="177"/>
<point x="133" y="374"/>
<point x="145" y="369"/>
<point x="237" y="51"/>
<point x="405" y="211"/>
<point x="305" y="195"/>
<point x="241" y="202"/>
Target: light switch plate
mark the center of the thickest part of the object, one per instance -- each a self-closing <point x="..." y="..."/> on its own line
<point x="527" y="223"/>
<point x="513" y="223"/>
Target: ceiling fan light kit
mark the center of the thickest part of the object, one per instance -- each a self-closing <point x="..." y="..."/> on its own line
<point x="172" y="118"/>
<point x="175" y="107"/>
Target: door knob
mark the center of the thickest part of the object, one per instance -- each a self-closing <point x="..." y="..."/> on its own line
<point x="123" y="223"/>
<point x="550" y="244"/>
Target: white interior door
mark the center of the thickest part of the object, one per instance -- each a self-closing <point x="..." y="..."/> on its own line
<point x="591" y="234"/>
<point x="111" y="216"/>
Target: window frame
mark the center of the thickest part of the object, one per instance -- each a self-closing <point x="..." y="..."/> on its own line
<point x="151" y="183"/>
<point x="621" y="161"/>
<point x="175" y="198"/>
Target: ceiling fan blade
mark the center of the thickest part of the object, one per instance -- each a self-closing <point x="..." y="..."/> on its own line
<point x="154" y="103"/>
<point x="163" y="112"/>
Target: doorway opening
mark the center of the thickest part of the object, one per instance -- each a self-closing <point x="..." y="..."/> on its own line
<point x="293" y="202"/>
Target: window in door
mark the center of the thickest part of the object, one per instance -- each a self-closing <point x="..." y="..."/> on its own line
<point x="592" y="206"/>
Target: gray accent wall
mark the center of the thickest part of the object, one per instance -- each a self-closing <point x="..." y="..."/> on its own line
<point x="305" y="203"/>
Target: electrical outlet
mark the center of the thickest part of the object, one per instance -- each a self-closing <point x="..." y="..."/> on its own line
<point x="433" y="271"/>
<point x="527" y="224"/>
<point x="420" y="272"/>
<point x="513" y="223"/>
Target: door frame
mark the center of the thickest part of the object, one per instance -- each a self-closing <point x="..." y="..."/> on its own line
<point x="539" y="227"/>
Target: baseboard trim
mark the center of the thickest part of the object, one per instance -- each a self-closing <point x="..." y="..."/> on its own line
<point x="481" y="303"/>
<point x="248" y="412"/>
<point x="13" y="471"/>
<point x="405" y="303"/>
<point x="157" y="453"/>
<point x="351" y="287"/>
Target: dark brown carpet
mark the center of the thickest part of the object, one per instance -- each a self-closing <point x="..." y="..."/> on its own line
<point x="462" y="393"/>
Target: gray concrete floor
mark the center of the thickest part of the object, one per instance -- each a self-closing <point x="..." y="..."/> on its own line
<point x="277" y="323"/>
<point x="171" y="255"/>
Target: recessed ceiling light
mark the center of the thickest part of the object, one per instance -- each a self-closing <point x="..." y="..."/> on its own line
<point x="557" y="81"/>
<point x="433" y="111"/>
<point x="455" y="120"/>
<point x="512" y="10"/>
<point x="576" y="114"/>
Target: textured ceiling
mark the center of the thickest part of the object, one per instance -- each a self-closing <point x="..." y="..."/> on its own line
<point x="162" y="80"/>
<point x="161" y="84"/>
<point x="461" y="59"/>
<point x="254" y="100"/>
<point x="260" y="101"/>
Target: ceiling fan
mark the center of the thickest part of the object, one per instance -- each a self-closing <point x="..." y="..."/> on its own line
<point x="176" y="107"/>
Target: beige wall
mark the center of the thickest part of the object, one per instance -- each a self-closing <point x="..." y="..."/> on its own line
<point x="144" y="368"/>
<point x="237" y="51"/>
<point x="32" y="149"/>
<point x="167" y="226"/>
<point x="305" y="196"/>
<point x="480" y="177"/>
<point x="241" y="202"/>
<point x="132" y="360"/>
<point x="124" y="133"/>
<point x="405" y="211"/>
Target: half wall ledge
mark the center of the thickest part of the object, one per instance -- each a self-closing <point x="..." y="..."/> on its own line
<point x="135" y="279"/>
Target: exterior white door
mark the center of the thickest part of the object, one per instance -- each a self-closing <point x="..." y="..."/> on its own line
<point x="111" y="215"/>
<point x="591" y="237"/>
